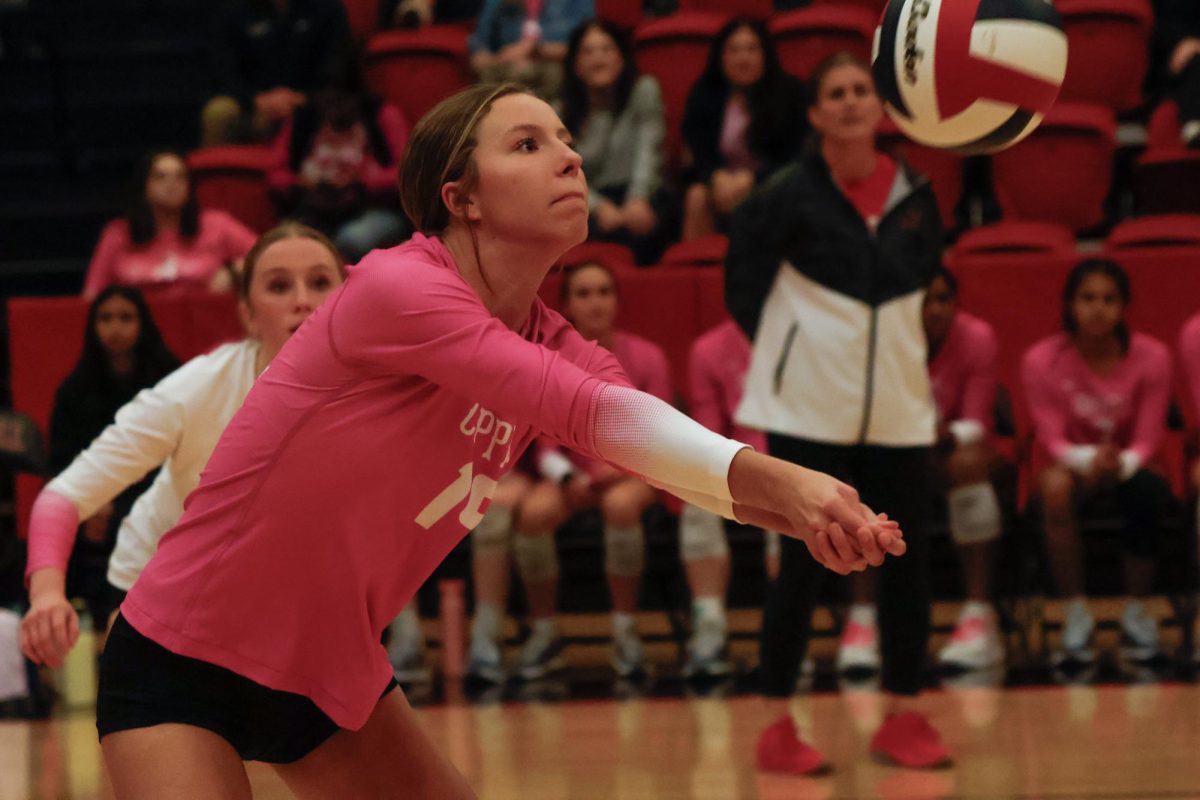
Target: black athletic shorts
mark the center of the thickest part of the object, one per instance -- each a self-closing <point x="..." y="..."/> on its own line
<point x="143" y="684"/>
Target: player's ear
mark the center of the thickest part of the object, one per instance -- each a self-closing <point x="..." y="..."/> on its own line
<point x="459" y="202"/>
<point x="246" y="317"/>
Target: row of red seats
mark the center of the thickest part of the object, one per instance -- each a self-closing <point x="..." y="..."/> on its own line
<point x="1010" y="274"/>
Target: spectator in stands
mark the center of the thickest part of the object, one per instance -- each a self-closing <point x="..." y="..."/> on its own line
<point x="123" y="353"/>
<point x="1189" y="362"/>
<point x="1177" y="24"/>
<point x="827" y="270"/>
<point x="418" y="13"/>
<point x="526" y="41"/>
<point x="336" y="163"/>
<point x="962" y="369"/>
<point x="744" y="118"/>
<point x="165" y="242"/>
<point x="1098" y="397"/>
<point x="268" y="56"/>
<point x="589" y="301"/>
<point x="717" y="367"/>
<point x="616" y="117"/>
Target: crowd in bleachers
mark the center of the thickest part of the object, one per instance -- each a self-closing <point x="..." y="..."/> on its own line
<point x="1059" y="381"/>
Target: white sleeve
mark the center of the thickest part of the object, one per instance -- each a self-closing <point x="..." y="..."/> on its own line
<point x="1080" y="457"/>
<point x="648" y="437"/>
<point x="966" y="431"/>
<point x="722" y="508"/>
<point x="1131" y="462"/>
<point x="146" y="430"/>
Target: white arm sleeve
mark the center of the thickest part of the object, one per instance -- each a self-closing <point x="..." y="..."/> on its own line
<point x="1080" y="457"/>
<point x="146" y="430"/>
<point x="646" y="436"/>
<point x="722" y="508"/>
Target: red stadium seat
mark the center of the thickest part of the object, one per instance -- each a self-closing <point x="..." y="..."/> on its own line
<point x="233" y="178"/>
<point x="1162" y="256"/>
<point x="1167" y="230"/>
<point x="624" y="14"/>
<point x="1012" y="238"/>
<point x="1062" y="172"/>
<point x="944" y="169"/>
<point x="674" y="50"/>
<point x="710" y="295"/>
<point x="363" y="16"/>
<point x="759" y="9"/>
<point x="805" y="37"/>
<point x="615" y="256"/>
<point x="415" y="69"/>
<point x="874" y="6"/>
<point x="707" y="250"/>
<point x="1109" y="42"/>
<point x="1167" y="174"/>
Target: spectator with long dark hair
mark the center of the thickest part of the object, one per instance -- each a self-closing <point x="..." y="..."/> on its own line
<point x="123" y="353"/>
<point x="164" y="242"/>
<point x="1177" y="40"/>
<point x="744" y="118"/>
<point x="617" y="118"/>
<point x="1098" y="395"/>
<point x="526" y="41"/>
<point x="336" y="161"/>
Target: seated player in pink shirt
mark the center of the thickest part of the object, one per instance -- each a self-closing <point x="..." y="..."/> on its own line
<point x="1189" y="365"/>
<point x="1098" y="394"/>
<point x="571" y="483"/>
<point x="962" y="371"/>
<point x="717" y="367"/>
<point x="365" y="452"/>
<point x="165" y="244"/>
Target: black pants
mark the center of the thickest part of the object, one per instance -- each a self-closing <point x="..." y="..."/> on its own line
<point x="888" y="479"/>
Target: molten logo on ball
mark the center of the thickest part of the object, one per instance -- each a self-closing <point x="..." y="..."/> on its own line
<point x="973" y="76"/>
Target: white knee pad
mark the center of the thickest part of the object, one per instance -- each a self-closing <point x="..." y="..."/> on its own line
<point x="701" y="534"/>
<point x="536" y="558"/>
<point x="624" y="551"/>
<point x="494" y="531"/>
<point x="974" y="513"/>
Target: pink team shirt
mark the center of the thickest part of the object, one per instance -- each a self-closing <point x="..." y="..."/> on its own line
<point x="168" y="263"/>
<point x="1072" y="405"/>
<point x="963" y="373"/>
<point x="360" y="458"/>
<point x="1189" y="363"/>
<point x="717" y="366"/>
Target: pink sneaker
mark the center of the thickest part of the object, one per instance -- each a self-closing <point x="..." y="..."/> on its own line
<point x="908" y="740"/>
<point x="780" y="749"/>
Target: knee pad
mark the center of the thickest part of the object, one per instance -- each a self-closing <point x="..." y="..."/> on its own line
<point x="536" y="558"/>
<point x="974" y="513"/>
<point x="624" y="551"/>
<point x="701" y="534"/>
<point x="494" y="531"/>
<point x="771" y="545"/>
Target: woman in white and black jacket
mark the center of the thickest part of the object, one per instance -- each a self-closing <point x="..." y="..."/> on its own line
<point x="827" y="269"/>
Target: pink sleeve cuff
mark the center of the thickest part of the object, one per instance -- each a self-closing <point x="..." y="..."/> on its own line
<point x="52" y="525"/>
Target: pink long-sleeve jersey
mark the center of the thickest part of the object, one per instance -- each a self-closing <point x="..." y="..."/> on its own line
<point x="963" y="373"/>
<point x="362" y="455"/>
<point x="1189" y="363"/>
<point x="1072" y="406"/>
<point x="717" y="366"/>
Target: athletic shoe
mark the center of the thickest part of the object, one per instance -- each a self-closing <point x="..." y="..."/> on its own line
<point x="1139" y="635"/>
<point x="908" y="740"/>
<point x="707" y="654"/>
<point x="780" y="749"/>
<point x="627" y="656"/>
<point x="541" y="655"/>
<point x="858" y="651"/>
<point x="483" y="662"/>
<point x="1075" y="649"/>
<point x="409" y="667"/>
<point x="975" y="644"/>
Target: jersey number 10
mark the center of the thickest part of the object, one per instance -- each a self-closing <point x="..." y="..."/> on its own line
<point x="475" y="490"/>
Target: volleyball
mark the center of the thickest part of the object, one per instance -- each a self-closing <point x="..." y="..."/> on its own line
<point x="972" y="76"/>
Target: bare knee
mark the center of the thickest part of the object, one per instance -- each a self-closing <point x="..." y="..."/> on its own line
<point x="969" y="464"/>
<point x="511" y="489"/>
<point x="542" y="510"/>
<point x="625" y="502"/>
<point x="1057" y="486"/>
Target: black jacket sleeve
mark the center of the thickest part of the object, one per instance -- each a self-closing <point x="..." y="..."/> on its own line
<point x="755" y="251"/>
<point x="701" y="131"/>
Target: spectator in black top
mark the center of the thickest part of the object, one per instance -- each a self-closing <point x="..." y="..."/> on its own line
<point x="268" y="56"/>
<point x="1178" y="44"/>
<point x="123" y="353"/>
<point x="744" y="118"/>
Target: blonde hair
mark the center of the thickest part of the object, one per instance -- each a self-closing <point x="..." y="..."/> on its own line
<point x="286" y="230"/>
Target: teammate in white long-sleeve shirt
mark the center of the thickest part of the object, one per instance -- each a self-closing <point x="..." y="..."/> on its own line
<point x="177" y="422"/>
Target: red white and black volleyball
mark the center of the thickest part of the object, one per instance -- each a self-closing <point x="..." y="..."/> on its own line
<point x="972" y="76"/>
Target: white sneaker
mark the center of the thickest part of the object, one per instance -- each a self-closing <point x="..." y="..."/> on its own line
<point x="1139" y="634"/>
<point x="484" y="663"/>
<point x="1076" y="644"/>
<point x="706" y="653"/>
<point x="627" y="656"/>
<point x="858" y="651"/>
<point x="975" y="643"/>
<point x="542" y="653"/>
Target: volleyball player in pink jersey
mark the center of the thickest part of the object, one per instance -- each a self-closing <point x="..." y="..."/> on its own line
<point x="717" y="367"/>
<point x="571" y="483"/>
<point x="1098" y="397"/>
<point x="1189" y="364"/>
<point x="962" y="371"/>
<point x="365" y="452"/>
